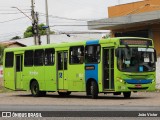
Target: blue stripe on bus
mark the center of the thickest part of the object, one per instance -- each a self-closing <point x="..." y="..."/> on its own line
<point x="93" y="74"/>
<point x="138" y="81"/>
<point x="92" y="42"/>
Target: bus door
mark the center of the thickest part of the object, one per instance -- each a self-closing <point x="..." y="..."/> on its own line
<point x="62" y="61"/>
<point x="19" y="71"/>
<point x="108" y="68"/>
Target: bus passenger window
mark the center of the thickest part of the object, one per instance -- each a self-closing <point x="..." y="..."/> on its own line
<point x="60" y="61"/>
<point x="77" y="55"/>
<point x="65" y="60"/>
<point x="9" y="59"/>
<point x="38" y="57"/>
<point x="28" y="58"/>
<point x="92" y="54"/>
<point x="49" y="57"/>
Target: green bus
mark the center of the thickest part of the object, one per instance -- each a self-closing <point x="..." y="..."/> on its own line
<point x="112" y="65"/>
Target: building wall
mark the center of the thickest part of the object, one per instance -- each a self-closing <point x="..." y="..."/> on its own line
<point x="154" y="34"/>
<point x="134" y="8"/>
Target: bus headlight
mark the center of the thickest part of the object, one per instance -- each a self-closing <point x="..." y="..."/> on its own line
<point x="119" y="79"/>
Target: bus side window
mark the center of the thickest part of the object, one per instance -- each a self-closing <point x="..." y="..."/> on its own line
<point x="92" y="54"/>
<point x="9" y="57"/>
<point x="28" y="58"/>
<point x="60" y="61"/>
<point x="76" y="55"/>
<point x="49" y="56"/>
<point x="38" y="57"/>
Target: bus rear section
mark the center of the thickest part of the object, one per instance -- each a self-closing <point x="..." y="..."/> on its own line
<point x="13" y="67"/>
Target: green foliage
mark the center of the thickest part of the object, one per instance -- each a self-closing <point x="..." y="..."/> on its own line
<point x="1" y="54"/>
<point x="16" y="37"/>
<point x="28" y="34"/>
<point x="42" y="31"/>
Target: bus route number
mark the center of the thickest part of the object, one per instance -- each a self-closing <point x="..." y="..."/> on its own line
<point x="60" y="75"/>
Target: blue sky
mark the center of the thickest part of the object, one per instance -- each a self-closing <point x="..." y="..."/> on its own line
<point x="14" y="23"/>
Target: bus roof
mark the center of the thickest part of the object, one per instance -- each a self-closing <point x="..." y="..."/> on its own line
<point x="67" y="44"/>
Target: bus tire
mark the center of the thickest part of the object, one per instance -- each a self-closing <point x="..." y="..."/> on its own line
<point x="35" y="89"/>
<point x="64" y="93"/>
<point x="94" y="90"/>
<point x="127" y="94"/>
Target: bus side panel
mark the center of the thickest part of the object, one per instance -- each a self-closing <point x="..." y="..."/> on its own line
<point x="33" y="73"/>
<point x="28" y="75"/>
<point x="76" y="78"/>
<point x="39" y="74"/>
<point x="91" y="72"/>
<point x="9" y="78"/>
<point x="50" y="78"/>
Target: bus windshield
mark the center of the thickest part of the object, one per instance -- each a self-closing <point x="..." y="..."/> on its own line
<point x="134" y="59"/>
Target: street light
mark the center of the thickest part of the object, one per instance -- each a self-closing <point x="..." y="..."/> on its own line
<point x="22" y="12"/>
<point x="34" y="20"/>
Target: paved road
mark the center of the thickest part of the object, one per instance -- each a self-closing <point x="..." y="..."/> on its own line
<point x="76" y="108"/>
<point x="139" y="102"/>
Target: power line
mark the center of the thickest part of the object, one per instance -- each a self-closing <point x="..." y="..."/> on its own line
<point x="4" y="34"/>
<point x="12" y="20"/>
<point x="10" y="35"/>
<point x="9" y="10"/>
<point x="13" y="13"/>
<point x="59" y="17"/>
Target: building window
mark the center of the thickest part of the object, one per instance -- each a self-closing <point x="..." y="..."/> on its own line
<point x="92" y="54"/>
<point x="9" y="58"/>
<point x="28" y="58"/>
<point x="76" y="55"/>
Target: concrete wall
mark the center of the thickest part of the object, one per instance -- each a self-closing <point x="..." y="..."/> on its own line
<point x="134" y="8"/>
<point x="154" y="34"/>
<point x="156" y="37"/>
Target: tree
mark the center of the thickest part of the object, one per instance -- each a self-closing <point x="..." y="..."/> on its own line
<point x="1" y="53"/>
<point x="42" y="31"/>
<point x="16" y="37"/>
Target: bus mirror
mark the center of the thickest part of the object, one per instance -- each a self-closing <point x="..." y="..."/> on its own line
<point x="155" y="56"/>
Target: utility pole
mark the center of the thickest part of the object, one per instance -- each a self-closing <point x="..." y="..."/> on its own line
<point x="38" y="37"/>
<point x="47" y="23"/>
<point x="35" y="25"/>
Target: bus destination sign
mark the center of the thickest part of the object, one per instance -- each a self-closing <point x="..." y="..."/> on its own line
<point x="135" y="42"/>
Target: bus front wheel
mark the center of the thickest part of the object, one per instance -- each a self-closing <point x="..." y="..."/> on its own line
<point x="94" y="90"/>
<point x="127" y="94"/>
<point x="35" y="90"/>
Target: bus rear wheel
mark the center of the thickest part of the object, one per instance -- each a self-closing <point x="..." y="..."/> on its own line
<point x="64" y="93"/>
<point x="94" y="90"/>
<point x="35" y="90"/>
<point x="127" y="94"/>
